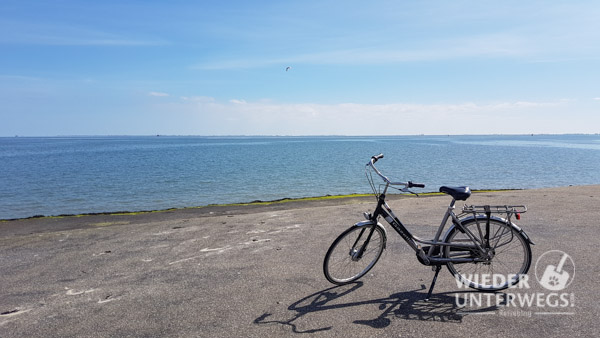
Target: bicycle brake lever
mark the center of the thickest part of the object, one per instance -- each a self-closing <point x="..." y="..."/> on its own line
<point x="405" y="189"/>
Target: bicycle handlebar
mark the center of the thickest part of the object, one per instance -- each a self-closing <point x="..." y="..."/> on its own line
<point x="408" y="184"/>
<point x="376" y="158"/>
<point x="415" y="185"/>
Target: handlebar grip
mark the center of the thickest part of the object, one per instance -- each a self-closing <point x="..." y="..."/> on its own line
<point x="415" y="185"/>
<point x="377" y="157"/>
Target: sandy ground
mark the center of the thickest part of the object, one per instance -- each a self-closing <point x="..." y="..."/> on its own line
<point x="256" y="271"/>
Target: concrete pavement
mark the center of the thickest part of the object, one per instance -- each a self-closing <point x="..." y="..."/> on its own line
<point x="256" y="271"/>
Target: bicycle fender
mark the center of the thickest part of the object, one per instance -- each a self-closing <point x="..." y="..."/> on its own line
<point x="522" y="232"/>
<point x="368" y="223"/>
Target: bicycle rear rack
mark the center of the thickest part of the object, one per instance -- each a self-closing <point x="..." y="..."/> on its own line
<point x="495" y="209"/>
<point x="508" y="210"/>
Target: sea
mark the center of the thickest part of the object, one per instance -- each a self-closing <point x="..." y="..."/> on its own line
<point x="49" y="176"/>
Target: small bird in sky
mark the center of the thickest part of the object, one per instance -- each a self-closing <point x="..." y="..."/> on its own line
<point x="287" y="68"/>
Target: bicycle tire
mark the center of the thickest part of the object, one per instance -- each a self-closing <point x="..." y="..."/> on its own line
<point x="341" y="266"/>
<point x="511" y="255"/>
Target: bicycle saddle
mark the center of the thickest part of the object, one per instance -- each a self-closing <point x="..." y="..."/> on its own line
<point x="458" y="193"/>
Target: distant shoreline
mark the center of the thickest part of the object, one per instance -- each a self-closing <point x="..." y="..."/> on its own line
<point x="298" y="136"/>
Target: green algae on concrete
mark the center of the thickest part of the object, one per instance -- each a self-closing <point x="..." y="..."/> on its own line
<point x="257" y="202"/>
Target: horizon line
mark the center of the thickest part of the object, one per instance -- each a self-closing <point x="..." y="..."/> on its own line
<point x="288" y="135"/>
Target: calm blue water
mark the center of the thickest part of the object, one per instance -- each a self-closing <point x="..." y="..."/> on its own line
<point x="72" y="175"/>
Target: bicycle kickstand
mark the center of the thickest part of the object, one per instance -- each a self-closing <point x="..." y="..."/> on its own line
<point x="437" y="271"/>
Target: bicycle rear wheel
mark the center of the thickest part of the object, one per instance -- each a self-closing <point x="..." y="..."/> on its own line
<point x="350" y="256"/>
<point x="509" y="255"/>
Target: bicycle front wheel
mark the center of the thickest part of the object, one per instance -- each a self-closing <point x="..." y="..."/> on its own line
<point x="350" y="256"/>
<point x="507" y="257"/>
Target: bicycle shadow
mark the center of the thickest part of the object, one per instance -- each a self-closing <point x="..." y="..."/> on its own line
<point x="407" y="305"/>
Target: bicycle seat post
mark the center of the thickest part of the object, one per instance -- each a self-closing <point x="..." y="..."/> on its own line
<point x="452" y="203"/>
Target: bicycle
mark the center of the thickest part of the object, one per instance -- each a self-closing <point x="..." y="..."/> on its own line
<point x="484" y="252"/>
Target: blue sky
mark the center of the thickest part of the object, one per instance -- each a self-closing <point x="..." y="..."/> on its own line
<point x="357" y="67"/>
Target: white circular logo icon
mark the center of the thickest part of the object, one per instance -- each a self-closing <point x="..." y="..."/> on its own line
<point x="555" y="270"/>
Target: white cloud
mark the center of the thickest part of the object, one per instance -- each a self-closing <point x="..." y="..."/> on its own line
<point x="596" y="98"/>
<point x="526" y="31"/>
<point x="207" y="116"/>
<point x="493" y="45"/>
<point x="62" y="34"/>
<point x="158" y="94"/>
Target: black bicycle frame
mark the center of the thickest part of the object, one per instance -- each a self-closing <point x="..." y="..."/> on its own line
<point x="383" y="210"/>
<point x="427" y="258"/>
